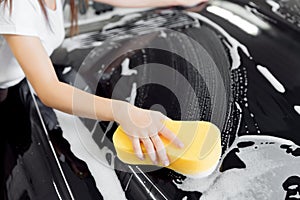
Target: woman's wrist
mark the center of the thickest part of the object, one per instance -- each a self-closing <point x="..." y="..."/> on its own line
<point x="118" y="109"/>
<point x="111" y="110"/>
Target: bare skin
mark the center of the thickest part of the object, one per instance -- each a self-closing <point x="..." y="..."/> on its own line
<point x="39" y="70"/>
<point x="151" y="3"/>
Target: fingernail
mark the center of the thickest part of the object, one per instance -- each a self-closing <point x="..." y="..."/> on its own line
<point x="181" y="145"/>
<point x="166" y="163"/>
<point x="154" y="161"/>
<point x="140" y="156"/>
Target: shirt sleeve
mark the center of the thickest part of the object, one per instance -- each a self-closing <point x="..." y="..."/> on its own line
<point x="21" y="20"/>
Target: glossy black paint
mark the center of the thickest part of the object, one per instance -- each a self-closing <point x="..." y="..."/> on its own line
<point x="30" y="167"/>
<point x="269" y="112"/>
<point x="277" y="48"/>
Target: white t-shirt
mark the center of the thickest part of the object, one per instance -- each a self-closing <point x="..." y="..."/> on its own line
<point x="27" y="19"/>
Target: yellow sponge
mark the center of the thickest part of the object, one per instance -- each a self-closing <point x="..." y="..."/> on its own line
<point x="197" y="159"/>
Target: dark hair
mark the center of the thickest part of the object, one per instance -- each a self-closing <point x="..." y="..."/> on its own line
<point x="73" y="13"/>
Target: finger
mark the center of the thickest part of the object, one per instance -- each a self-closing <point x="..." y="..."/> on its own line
<point x="171" y="137"/>
<point x="152" y="131"/>
<point x="161" y="150"/>
<point x="150" y="149"/>
<point x="159" y="122"/>
<point x="137" y="148"/>
<point x="167" y="118"/>
<point x="163" y="117"/>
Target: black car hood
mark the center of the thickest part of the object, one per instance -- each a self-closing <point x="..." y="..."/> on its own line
<point x="241" y="61"/>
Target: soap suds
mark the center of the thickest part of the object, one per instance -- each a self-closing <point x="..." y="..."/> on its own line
<point x="163" y="34"/>
<point x="247" y="26"/>
<point x="67" y="70"/>
<point x="271" y="78"/>
<point x="275" y="6"/>
<point x="122" y="21"/>
<point x="297" y="109"/>
<point x="79" y="42"/>
<point x="233" y="45"/>
<point x="265" y="171"/>
<point x="84" y="147"/>
<point x="126" y="71"/>
<point x="133" y="93"/>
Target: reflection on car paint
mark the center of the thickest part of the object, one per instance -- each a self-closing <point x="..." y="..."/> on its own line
<point x="265" y="166"/>
<point x="270" y="77"/>
<point x="263" y="71"/>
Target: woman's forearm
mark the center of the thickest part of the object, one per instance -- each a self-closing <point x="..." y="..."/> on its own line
<point x="40" y="72"/>
<point x="71" y="100"/>
<point x="141" y="3"/>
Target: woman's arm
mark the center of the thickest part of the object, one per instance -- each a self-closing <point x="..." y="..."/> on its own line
<point x="150" y="3"/>
<point x="38" y="68"/>
<point x="140" y="125"/>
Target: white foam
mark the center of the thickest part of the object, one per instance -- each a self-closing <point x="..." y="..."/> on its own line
<point x="271" y="78"/>
<point x="163" y="34"/>
<point x="78" y="42"/>
<point x="132" y="97"/>
<point x="241" y="111"/>
<point x="236" y="20"/>
<point x="293" y="187"/>
<point x="67" y="70"/>
<point x="297" y="109"/>
<point x="155" y="22"/>
<point x="233" y="45"/>
<point x="126" y="71"/>
<point x="267" y="167"/>
<point x="275" y="6"/>
<point x="203" y="174"/>
<point x="85" y="148"/>
<point x="122" y="21"/>
<point x="239" y="122"/>
<point x="296" y="196"/>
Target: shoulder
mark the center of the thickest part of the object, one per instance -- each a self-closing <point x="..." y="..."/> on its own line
<point x="24" y="15"/>
<point x="19" y="4"/>
<point x="19" y="9"/>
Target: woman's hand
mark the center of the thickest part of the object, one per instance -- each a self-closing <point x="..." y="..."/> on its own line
<point x="151" y="3"/>
<point x="146" y="126"/>
<point x="190" y="3"/>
